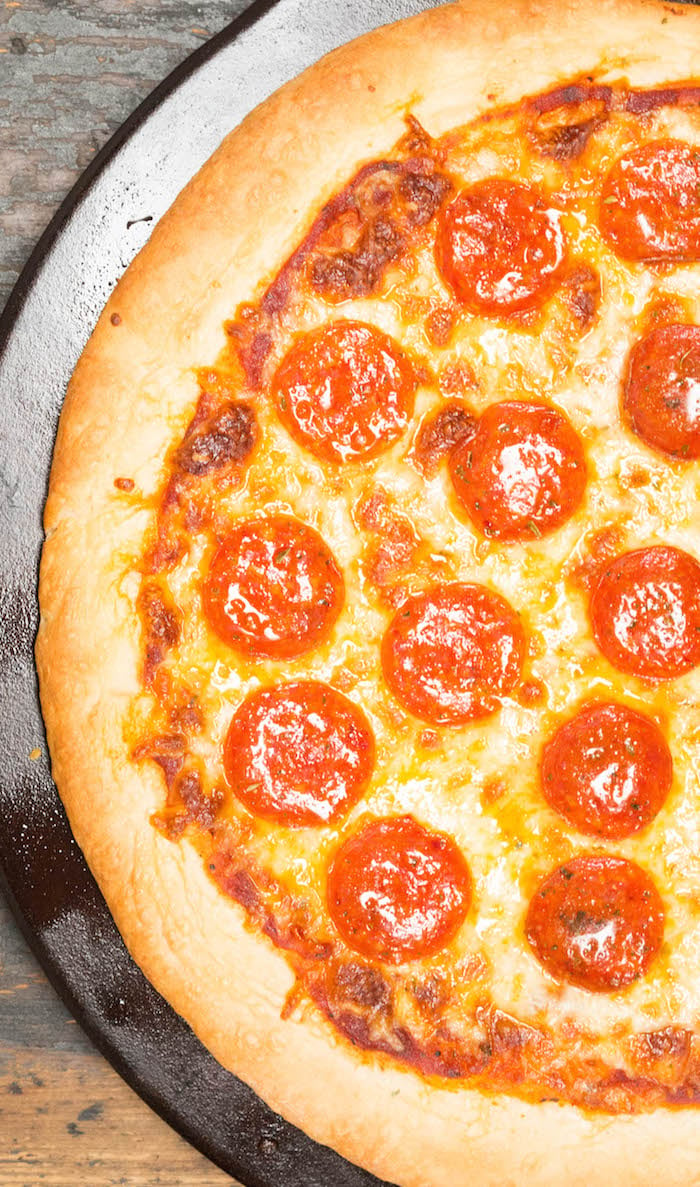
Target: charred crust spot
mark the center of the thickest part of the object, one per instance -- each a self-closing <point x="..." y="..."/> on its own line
<point x="440" y="434"/>
<point x="668" y="1042"/>
<point x="583" y="288"/>
<point x="226" y="438"/>
<point x="362" y="985"/>
<point x="161" y="625"/>
<point x="423" y="194"/>
<point x="564" y="119"/>
<point x="125" y="484"/>
<point x="199" y="807"/>
<point x="431" y="993"/>
<point x="167" y="750"/>
<point x="358" y="272"/>
<point x="116" y="319"/>
<point x="663" y="1054"/>
<point x="242" y="888"/>
<point x="508" y="1035"/>
<point x="416" y="139"/>
<point x="567" y="141"/>
<point x="369" y="225"/>
<point x="642" y="102"/>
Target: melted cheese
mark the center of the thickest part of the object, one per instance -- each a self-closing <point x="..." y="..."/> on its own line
<point x="480" y="783"/>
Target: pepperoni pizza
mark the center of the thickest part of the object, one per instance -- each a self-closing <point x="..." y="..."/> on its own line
<point x="370" y="642"/>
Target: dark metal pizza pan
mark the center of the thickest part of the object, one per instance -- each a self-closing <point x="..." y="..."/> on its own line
<point x="103" y="222"/>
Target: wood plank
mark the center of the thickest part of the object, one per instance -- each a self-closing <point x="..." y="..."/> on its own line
<point x="69" y="1119"/>
<point x="70" y="74"/>
<point x="65" y="1114"/>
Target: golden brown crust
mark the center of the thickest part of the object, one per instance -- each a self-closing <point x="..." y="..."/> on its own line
<point x="131" y="396"/>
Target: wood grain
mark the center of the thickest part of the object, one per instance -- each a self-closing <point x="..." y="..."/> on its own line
<point x="66" y="1117"/>
<point x="71" y="71"/>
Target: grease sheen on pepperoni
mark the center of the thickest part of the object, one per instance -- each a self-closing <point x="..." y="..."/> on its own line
<point x="273" y="588"/>
<point x="608" y="770"/>
<point x="345" y="391"/>
<point x="596" y="922"/>
<point x="500" y="247"/>
<point x="650" y="203"/>
<point x="451" y="652"/>
<point x="662" y="390"/>
<point x="398" y="891"/>
<point x="645" y="612"/>
<point x="300" y="754"/>
<point x="522" y="474"/>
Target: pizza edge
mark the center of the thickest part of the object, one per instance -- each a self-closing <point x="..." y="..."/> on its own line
<point x="132" y="393"/>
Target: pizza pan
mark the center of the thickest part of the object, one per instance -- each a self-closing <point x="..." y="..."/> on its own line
<point x="97" y="231"/>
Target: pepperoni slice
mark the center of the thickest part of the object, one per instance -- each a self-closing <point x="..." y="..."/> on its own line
<point x="650" y="204"/>
<point x="452" y="652"/>
<point x="345" y="391"/>
<point x="597" y="922"/>
<point x="522" y="474"/>
<point x="273" y="588"/>
<point x="662" y="392"/>
<point x="645" y="612"/>
<point x="398" y="891"/>
<point x="300" y="754"/>
<point x="608" y="771"/>
<point x="500" y="247"/>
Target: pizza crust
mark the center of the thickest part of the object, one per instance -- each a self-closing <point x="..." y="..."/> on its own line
<point x="133" y="392"/>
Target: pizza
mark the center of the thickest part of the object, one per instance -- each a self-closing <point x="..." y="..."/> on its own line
<point x="370" y="639"/>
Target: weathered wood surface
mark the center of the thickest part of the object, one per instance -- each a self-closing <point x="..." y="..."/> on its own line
<point x="70" y="73"/>
<point x="65" y="1116"/>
